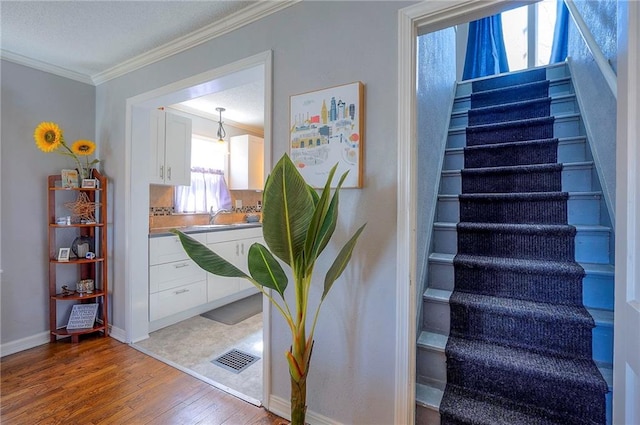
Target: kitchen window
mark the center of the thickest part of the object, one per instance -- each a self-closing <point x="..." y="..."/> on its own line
<point x="208" y="190"/>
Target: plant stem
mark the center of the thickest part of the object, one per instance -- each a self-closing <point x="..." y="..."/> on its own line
<point x="298" y="400"/>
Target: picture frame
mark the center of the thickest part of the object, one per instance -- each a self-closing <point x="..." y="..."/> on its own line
<point x="89" y="183"/>
<point x="327" y="128"/>
<point x="63" y="255"/>
<point x="82" y="316"/>
<point x="69" y="179"/>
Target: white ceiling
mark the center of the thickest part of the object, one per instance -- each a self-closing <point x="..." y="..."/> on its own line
<point x="94" y="41"/>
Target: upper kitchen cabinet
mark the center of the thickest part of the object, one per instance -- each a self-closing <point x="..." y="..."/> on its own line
<point x="246" y="163"/>
<point x="170" y="149"/>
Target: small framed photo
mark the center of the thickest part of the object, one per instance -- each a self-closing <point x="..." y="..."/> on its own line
<point x="69" y="179"/>
<point x="89" y="183"/>
<point x="63" y="254"/>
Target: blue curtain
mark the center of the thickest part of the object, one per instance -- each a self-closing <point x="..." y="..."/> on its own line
<point x="560" y="34"/>
<point x="486" y="54"/>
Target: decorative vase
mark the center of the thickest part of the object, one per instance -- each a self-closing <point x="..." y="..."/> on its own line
<point x="82" y="245"/>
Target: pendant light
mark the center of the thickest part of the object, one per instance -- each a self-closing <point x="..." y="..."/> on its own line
<point x="221" y="133"/>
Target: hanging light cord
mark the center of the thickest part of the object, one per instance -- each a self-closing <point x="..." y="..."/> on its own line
<point x="221" y="133"/>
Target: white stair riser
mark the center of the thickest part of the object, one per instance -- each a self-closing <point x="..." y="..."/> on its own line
<point x="581" y="210"/>
<point x="559" y="105"/>
<point x="436" y="316"/>
<point x="431" y="364"/>
<point x="462" y="100"/>
<point x="569" y="150"/>
<point x="437" y="319"/>
<point x="591" y="246"/>
<point x="568" y="126"/>
<point x="575" y="178"/>
<point x="597" y="288"/>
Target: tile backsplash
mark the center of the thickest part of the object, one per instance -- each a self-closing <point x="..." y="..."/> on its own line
<point x="162" y="210"/>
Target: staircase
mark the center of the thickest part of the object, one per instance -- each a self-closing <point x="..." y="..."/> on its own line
<point x="518" y="311"/>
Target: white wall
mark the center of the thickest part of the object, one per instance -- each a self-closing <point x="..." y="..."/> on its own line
<point x="315" y="45"/>
<point x="436" y="80"/>
<point x="30" y="96"/>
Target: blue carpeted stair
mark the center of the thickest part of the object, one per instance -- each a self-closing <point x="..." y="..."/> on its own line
<point x="518" y="341"/>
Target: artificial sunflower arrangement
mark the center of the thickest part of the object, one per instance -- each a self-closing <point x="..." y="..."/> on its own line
<point x="49" y="137"/>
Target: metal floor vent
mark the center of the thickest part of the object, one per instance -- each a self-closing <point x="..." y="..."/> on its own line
<point x="235" y="360"/>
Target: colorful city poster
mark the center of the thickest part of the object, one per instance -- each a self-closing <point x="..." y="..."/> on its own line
<point x="326" y="129"/>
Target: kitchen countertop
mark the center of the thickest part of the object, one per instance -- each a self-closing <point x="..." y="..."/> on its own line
<point x="203" y="228"/>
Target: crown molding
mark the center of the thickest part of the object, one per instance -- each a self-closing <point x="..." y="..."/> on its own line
<point x="211" y="31"/>
<point x="46" y="67"/>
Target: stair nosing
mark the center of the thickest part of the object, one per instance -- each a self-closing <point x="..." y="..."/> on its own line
<point x="597" y="269"/>
<point x="579" y="227"/>
<point x="565" y="166"/>
<point x="556" y="117"/>
<point x="432" y="341"/>
<point x="572" y="195"/>
<point x="557" y="98"/>
<point x="561" y="141"/>
<point x="552" y="81"/>
<point x="428" y="396"/>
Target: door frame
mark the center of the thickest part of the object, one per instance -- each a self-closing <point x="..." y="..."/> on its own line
<point x="136" y="267"/>
<point x="428" y="17"/>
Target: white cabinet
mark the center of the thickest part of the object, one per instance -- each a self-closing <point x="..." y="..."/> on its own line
<point x="246" y="163"/>
<point x="170" y="149"/>
<point x="176" y="283"/>
<point x="179" y="288"/>
<point x="234" y="247"/>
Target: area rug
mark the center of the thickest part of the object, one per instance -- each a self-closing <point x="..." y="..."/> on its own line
<point x="236" y="311"/>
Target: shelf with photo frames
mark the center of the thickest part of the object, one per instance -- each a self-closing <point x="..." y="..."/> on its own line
<point x="77" y="213"/>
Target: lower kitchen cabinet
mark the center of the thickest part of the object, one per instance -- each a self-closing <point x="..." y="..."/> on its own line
<point x="179" y="287"/>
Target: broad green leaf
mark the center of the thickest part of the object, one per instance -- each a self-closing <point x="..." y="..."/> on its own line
<point x="207" y="259"/>
<point x="315" y="227"/>
<point x="330" y="219"/>
<point x="266" y="270"/>
<point x="340" y="263"/>
<point x="287" y="210"/>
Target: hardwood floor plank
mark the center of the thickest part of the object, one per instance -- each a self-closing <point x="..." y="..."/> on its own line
<point x="102" y="381"/>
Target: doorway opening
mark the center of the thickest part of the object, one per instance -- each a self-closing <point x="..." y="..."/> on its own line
<point x="140" y="325"/>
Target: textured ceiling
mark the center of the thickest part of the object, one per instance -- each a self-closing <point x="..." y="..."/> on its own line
<point x="90" y="39"/>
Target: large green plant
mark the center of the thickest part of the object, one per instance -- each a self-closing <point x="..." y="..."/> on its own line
<point x="297" y="224"/>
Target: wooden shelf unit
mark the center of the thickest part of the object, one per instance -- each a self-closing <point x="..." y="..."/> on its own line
<point x="95" y="268"/>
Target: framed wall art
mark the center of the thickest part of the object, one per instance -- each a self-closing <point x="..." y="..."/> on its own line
<point x="326" y="128"/>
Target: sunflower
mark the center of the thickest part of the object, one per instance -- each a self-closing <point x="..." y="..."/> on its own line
<point x="83" y="147"/>
<point x="48" y="136"/>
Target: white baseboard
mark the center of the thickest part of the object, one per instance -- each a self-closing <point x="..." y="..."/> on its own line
<point x="42" y="338"/>
<point x="22" y="344"/>
<point x="282" y="408"/>
<point x="117" y="333"/>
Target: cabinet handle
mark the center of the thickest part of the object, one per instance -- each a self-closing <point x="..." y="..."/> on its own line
<point x="242" y="249"/>
<point x="237" y="249"/>
<point x="162" y="171"/>
<point x="182" y="291"/>
<point x="181" y="265"/>
<point x="169" y="173"/>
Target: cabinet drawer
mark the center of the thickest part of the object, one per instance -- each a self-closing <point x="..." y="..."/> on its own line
<point x="172" y="301"/>
<point x="168" y="248"/>
<point x="171" y="275"/>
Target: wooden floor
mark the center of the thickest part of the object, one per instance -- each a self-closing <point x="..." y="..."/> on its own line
<point x="102" y="381"/>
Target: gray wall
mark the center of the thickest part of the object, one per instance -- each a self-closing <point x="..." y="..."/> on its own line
<point x="598" y="105"/>
<point x="315" y="45"/>
<point x="435" y="92"/>
<point x="30" y="96"/>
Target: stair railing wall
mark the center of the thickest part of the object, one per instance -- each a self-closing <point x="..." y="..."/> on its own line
<point x="436" y="87"/>
<point x="596" y="100"/>
<point x="602" y="62"/>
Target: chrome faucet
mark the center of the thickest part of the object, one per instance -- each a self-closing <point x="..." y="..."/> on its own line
<point x="214" y="214"/>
